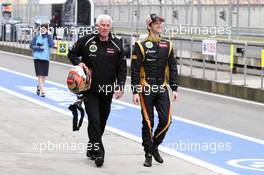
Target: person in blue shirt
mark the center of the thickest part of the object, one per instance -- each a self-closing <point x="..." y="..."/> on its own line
<point x="40" y="45"/>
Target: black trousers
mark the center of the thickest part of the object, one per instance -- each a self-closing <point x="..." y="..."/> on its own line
<point x="97" y="107"/>
<point x="161" y="101"/>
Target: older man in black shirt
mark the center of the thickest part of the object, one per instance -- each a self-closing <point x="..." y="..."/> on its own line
<point x="103" y="54"/>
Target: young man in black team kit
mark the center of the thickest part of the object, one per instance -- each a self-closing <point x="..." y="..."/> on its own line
<point x="103" y="54"/>
<point x="153" y="67"/>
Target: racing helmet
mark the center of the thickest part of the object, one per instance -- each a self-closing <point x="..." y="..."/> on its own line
<point x="79" y="80"/>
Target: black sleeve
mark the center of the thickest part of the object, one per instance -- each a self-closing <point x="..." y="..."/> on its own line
<point x="122" y="68"/>
<point x="75" y="52"/>
<point x="173" y="71"/>
<point x="136" y="63"/>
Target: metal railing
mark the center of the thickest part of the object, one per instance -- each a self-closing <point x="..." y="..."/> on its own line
<point x="247" y="69"/>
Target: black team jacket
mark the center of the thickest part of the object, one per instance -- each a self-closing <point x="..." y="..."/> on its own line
<point x="105" y="59"/>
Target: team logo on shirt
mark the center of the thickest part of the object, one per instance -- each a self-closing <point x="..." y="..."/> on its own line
<point x="93" y="48"/>
<point x="110" y="50"/>
<point x="150" y="51"/>
<point x="163" y="44"/>
<point x="149" y="44"/>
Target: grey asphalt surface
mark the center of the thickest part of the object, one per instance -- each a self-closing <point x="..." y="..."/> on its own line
<point x="21" y="128"/>
<point x="240" y="117"/>
<point x="35" y="140"/>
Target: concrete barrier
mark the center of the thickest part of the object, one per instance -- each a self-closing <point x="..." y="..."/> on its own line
<point x="223" y="88"/>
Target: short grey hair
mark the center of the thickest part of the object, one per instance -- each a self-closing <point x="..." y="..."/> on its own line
<point x="103" y="17"/>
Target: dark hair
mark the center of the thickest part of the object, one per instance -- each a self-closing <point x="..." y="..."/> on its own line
<point x="44" y="25"/>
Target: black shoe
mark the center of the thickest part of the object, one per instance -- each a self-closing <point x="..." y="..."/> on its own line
<point x="148" y="160"/>
<point x="157" y="156"/>
<point x="90" y="155"/>
<point x="99" y="161"/>
<point x="42" y="94"/>
<point x="38" y="91"/>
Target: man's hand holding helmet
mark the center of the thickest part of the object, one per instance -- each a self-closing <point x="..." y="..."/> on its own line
<point x="79" y="79"/>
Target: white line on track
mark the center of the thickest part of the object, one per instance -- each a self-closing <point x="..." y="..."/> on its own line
<point x="181" y="88"/>
<point x="135" y="138"/>
<point x="174" y="117"/>
<point x="138" y="139"/>
<point x="128" y="136"/>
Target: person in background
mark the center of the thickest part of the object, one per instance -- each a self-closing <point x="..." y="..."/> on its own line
<point x="40" y="45"/>
<point x="55" y="23"/>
